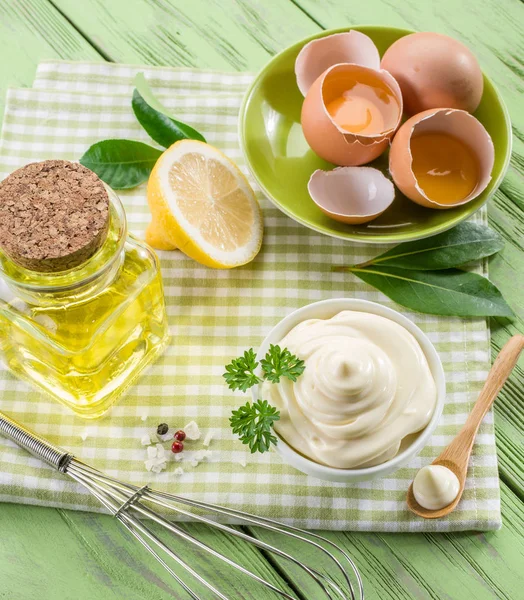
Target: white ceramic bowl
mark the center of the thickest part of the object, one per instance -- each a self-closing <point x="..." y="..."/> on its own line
<point x="326" y="309"/>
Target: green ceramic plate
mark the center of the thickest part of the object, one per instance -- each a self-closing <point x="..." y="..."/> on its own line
<point x="282" y="162"/>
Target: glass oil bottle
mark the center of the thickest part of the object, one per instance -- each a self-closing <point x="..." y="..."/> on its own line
<point x="84" y="335"/>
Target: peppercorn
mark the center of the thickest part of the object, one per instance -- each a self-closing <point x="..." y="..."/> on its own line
<point x="162" y="429"/>
<point x="180" y="435"/>
<point x="177" y="447"/>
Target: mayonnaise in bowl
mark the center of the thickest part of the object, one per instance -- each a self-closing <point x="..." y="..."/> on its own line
<point x="366" y="391"/>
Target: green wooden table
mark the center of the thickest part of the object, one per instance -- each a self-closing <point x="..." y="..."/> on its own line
<point x="62" y="555"/>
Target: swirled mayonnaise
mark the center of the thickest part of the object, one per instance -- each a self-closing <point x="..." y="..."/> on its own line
<point x="366" y="386"/>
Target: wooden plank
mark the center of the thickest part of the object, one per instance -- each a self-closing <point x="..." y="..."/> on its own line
<point x="31" y="30"/>
<point x="509" y="424"/>
<point x="223" y="34"/>
<point x="452" y="566"/>
<point x="55" y="554"/>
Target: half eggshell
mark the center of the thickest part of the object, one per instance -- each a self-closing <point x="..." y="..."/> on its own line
<point x="457" y="123"/>
<point x="320" y="54"/>
<point x="351" y="195"/>
<point x="325" y="137"/>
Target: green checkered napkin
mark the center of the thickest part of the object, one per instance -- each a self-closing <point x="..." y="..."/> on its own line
<point x="214" y="315"/>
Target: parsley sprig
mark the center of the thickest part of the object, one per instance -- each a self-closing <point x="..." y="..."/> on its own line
<point x="281" y="363"/>
<point x="240" y="372"/>
<point x="253" y="423"/>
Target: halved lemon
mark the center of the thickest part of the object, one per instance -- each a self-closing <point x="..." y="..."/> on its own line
<point x="202" y="204"/>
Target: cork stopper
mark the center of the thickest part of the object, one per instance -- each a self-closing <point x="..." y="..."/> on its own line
<point x="54" y="215"/>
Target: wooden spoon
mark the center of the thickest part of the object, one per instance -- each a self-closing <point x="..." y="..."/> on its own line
<point x="456" y="456"/>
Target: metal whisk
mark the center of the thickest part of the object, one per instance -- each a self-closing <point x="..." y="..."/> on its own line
<point x="133" y="507"/>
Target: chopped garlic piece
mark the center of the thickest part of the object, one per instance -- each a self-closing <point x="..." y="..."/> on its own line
<point x="152" y="452"/>
<point x="146" y="440"/>
<point x="192" y="431"/>
<point x="179" y="471"/>
<point x="208" y="438"/>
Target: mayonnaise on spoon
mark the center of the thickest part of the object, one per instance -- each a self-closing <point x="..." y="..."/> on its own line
<point x="435" y="486"/>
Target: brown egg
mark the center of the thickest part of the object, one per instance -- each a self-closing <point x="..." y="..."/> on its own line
<point x="446" y="131"/>
<point x="351" y="195"/>
<point x="434" y="71"/>
<point x="380" y="103"/>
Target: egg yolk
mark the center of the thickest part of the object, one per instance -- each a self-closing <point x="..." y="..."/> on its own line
<point x="445" y="168"/>
<point x="366" y="106"/>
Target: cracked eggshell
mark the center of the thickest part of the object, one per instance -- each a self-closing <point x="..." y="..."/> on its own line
<point x="320" y="54"/>
<point x="325" y="137"/>
<point x="351" y="194"/>
<point x="458" y="123"/>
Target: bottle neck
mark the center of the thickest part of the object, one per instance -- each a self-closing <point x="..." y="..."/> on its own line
<point x="82" y="281"/>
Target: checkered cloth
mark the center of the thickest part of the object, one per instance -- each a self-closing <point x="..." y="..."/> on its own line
<point x="214" y="315"/>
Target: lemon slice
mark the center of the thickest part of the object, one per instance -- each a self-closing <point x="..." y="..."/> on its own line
<point x="202" y="204"/>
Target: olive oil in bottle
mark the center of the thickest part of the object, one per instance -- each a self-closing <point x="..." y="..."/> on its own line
<point x="84" y="334"/>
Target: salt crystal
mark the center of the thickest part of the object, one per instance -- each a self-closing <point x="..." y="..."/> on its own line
<point x="160" y="451"/>
<point x="242" y="463"/>
<point x="179" y="471"/>
<point x="202" y="454"/>
<point x="157" y="468"/>
<point x="192" y="431"/>
<point x="152" y="452"/>
<point x="178" y="457"/>
<point x="146" y="440"/>
<point x="208" y="438"/>
<point x="143" y="416"/>
<point x="164" y="438"/>
<point x="149" y="464"/>
<point x="194" y="463"/>
<point x="85" y="434"/>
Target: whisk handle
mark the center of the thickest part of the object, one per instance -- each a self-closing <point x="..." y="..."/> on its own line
<point x="52" y="455"/>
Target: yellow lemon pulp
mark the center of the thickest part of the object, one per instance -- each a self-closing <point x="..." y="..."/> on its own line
<point x="202" y="204"/>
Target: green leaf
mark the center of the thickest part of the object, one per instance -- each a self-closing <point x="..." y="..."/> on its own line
<point x="156" y="119"/>
<point x="253" y="423"/>
<point x="462" y="244"/>
<point x="281" y="363"/>
<point x="122" y="164"/>
<point x="452" y="292"/>
<point x="240" y="372"/>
